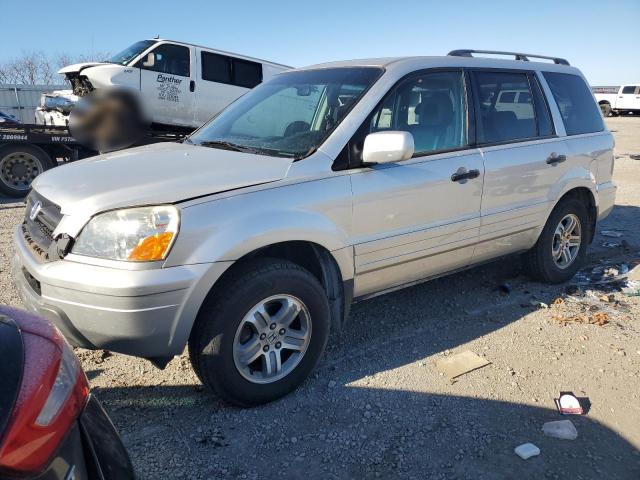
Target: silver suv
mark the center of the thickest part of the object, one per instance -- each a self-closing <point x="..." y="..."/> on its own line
<point x="322" y="186"/>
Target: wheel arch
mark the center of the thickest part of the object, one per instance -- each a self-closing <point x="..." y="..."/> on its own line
<point x="587" y="197"/>
<point x="330" y="268"/>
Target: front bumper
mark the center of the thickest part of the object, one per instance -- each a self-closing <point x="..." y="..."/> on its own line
<point x="146" y="313"/>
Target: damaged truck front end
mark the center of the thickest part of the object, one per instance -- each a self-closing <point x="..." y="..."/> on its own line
<point x="55" y="107"/>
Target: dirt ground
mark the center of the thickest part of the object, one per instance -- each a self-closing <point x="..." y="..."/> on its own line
<point x="377" y="407"/>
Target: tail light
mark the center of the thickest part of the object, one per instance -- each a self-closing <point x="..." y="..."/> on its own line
<point x="53" y="392"/>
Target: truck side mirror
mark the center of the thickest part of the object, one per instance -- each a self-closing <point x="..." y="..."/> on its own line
<point x="387" y="147"/>
<point x="150" y="61"/>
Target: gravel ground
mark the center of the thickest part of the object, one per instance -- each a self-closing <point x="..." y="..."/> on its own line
<point x="378" y="408"/>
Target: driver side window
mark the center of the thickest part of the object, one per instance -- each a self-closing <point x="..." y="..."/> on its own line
<point x="168" y="58"/>
<point x="431" y="107"/>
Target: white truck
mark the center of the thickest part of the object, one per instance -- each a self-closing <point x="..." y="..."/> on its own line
<point x="178" y="84"/>
<point x="618" y="100"/>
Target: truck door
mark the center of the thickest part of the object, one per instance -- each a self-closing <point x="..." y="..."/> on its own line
<point x="221" y="79"/>
<point x="167" y="85"/>
<point x="629" y="98"/>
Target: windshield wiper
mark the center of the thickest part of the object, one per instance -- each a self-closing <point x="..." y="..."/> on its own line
<point x="228" y="146"/>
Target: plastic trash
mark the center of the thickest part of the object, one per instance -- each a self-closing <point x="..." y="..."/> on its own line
<point x="611" y="233"/>
<point x="563" y="429"/>
<point x="527" y="450"/>
<point x="568" y="404"/>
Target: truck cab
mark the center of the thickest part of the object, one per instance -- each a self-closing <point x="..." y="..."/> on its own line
<point x="178" y="84"/>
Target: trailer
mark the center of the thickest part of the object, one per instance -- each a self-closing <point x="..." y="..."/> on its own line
<point x="27" y="150"/>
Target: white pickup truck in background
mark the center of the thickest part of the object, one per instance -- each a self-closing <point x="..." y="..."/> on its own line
<point x="618" y="100"/>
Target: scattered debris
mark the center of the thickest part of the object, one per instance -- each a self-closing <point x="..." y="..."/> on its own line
<point x="632" y="289"/>
<point x="568" y="404"/>
<point x="562" y="429"/>
<point x="611" y="244"/>
<point x="611" y="233"/>
<point x="558" y="301"/>
<point x="455" y="365"/>
<point x="527" y="450"/>
<point x="609" y="298"/>
<point x="538" y="304"/>
<point x="598" y="318"/>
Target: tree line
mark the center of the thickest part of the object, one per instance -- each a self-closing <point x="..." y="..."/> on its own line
<point x="37" y="68"/>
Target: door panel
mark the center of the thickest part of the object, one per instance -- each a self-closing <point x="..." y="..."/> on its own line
<point x="517" y="184"/>
<point x="521" y="166"/>
<point x="411" y="221"/>
<point x="165" y="85"/>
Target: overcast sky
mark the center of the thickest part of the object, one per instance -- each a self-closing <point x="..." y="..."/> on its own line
<point x="601" y="38"/>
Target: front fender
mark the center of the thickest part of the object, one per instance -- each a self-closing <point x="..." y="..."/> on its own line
<point x="229" y="228"/>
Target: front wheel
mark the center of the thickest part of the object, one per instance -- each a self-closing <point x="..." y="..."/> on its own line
<point x="606" y="109"/>
<point x="261" y="333"/>
<point x="562" y="245"/>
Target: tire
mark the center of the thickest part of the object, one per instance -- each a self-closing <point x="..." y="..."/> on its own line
<point x="19" y="165"/>
<point x="216" y="344"/>
<point x="606" y="109"/>
<point x="539" y="261"/>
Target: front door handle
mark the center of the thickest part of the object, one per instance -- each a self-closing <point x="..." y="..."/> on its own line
<point x="555" y="158"/>
<point x="459" y="176"/>
<point x="192" y="86"/>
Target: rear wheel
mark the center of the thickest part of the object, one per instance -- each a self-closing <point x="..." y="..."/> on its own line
<point x="562" y="245"/>
<point x="261" y="333"/>
<point x="19" y="166"/>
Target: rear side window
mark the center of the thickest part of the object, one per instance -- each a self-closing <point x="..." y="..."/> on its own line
<point x="246" y="74"/>
<point x="575" y="101"/>
<point x="216" y="68"/>
<point x="499" y="118"/>
<point x="229" y="70"/>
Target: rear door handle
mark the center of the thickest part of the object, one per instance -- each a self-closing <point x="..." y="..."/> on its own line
<point x="459" y="176"/>
<point x="555" y="158"/>
<point x="192" y="86"/>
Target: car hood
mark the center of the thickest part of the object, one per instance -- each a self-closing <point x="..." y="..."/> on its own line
<point x="154" y="174"/>
<point x="78" y="67"/>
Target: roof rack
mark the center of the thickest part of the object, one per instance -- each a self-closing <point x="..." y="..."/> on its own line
<point x="519" y="56"/>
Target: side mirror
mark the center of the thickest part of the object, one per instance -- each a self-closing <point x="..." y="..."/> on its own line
<point x="387" y="147"/>
<point x="150" y="61"/>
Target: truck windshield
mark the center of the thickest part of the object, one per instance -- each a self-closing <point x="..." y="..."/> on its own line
<point x="129" y="53"/>
<point x="290" y="115"/>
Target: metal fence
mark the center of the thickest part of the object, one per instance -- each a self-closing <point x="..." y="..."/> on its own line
<point x="21" y="100"/>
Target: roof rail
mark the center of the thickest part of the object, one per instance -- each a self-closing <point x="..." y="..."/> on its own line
<point x="519" y="56"/>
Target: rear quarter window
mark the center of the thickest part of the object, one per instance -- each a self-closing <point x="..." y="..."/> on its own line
<point x="579" y="111"/>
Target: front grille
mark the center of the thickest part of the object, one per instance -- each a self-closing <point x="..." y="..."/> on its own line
<point x="38" y="232"/>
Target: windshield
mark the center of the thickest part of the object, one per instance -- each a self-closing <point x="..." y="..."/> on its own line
<point x="129" y="53"/>
<point x="289" y="115"/>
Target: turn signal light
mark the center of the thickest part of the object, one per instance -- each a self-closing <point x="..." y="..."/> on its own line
<point x="151" y="248"/>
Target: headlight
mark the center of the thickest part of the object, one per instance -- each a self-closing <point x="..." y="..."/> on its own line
<point x="135" y="234"/>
